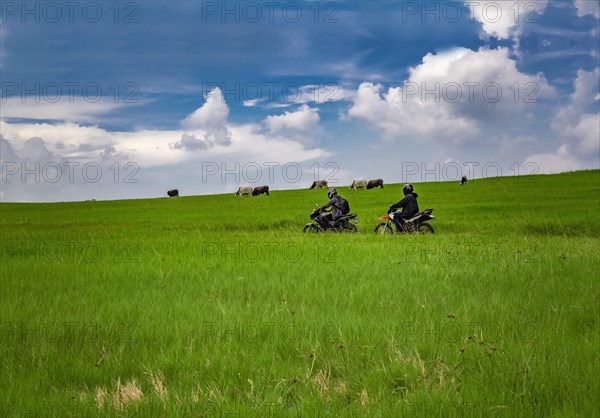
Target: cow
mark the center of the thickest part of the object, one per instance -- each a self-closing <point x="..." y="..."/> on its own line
<point x="375" y="183"/>
<point x="319" y="184"/>
<point x="463" y="181"/>
<point x="358" y="184"/>
<point x="173" y="193"/>
<point x="260" y="190"/>
<point x="246" y="190"/>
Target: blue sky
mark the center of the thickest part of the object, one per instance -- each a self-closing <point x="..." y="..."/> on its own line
<point x="164" y="92"/>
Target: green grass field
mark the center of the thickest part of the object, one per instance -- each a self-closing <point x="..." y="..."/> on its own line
<point x="220" y="306"/>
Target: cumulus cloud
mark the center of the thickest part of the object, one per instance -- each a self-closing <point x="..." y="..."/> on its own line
<point x="68" y="139"/>
<point x="304" y="119"/>
<point x="587" y="132"/>
<point x="209" y="121"/>
<point x="577" y="127"/>
<point x="574" y="122"/>
<point x="191" y="143"/>
<point x="452" y="95"/>
<point x="6" y="150"/>
<point x="588" y="7"/>
<point x="150" y="154"/>
<point x="557" y="162"/>
<point x="301" y="124"/>
<point x="500" y="18"/>
<point x="399" y="117"/>
<point x="33" y="149"/>
<point x="26" y="171"/>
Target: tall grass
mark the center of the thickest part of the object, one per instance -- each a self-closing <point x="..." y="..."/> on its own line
<point x="217" y="306"/>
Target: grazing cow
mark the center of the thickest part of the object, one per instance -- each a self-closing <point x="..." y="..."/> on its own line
<point x="246" y="190"/>
<point x="375" y="183"/>
<point x="463" y="181"/>
<point x="173" y="193"/>
<point x="358" y="184"/>
<point x="319" y="184"/>
<point x="260" y="190"/>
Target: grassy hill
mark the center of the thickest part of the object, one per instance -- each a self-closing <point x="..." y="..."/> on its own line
<point x="220" y="306"/>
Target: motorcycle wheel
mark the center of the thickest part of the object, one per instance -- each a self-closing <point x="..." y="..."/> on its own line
<point x="312" y="228"/>
<point x="348" y="227"/>
<point x="384" y="229"/>
<point x="425" y="228"/>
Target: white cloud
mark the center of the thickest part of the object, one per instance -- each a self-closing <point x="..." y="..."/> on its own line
<point x="586" y="88"/>
<point x="161" y="165"/>
<point x="307" y="94"/>
<point x="578" y="130"/>
<point x="323" y="93"/>
<point x="153" y="148"/>
<point x="452" y="96"/>
<point x="572" y="122"/>
<point x="588" y="7"/>
<point x="74" y="109"/>
<point x="499" y="18"/>
<point x="407" y="118"/>
<point x="304" y="120"/>
<point x="66" y="138"/>
<point x="211" y="120"/>
<point x="191" y="143"/>
<point x="557" y="162"/>
<point x="254" y="102"/>
<point x="587" y="134"/>
<point x="34" y="170"/>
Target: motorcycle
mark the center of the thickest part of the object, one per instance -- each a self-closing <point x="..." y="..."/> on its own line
<point x="415" y="225"/>
<point x="321" y="224"/>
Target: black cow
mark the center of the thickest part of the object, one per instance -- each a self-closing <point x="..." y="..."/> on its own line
<point x="463" y="181"/>
<point x="173" y="193"/>
<point x="375" y="183"/>
<point x="319" y="184"/>
<point x="260" y="190"/>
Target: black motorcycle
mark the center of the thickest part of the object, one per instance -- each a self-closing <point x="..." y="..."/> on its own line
<point x="322" y="223"/>
<point x="417" y="224"/>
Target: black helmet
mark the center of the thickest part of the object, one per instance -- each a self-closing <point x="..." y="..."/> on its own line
<point x="331" y="192"/>
<point x="408" y="188"/>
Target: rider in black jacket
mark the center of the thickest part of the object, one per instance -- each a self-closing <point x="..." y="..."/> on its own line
<point x="335" y="203"/>
<point x="408" y="204"/>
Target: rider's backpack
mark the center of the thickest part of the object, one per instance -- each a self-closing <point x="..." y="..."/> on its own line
<point x="344" y="206"/>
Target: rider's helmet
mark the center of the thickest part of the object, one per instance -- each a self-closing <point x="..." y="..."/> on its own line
<point x="331" y="192"/>
<point x="408" y="188"/>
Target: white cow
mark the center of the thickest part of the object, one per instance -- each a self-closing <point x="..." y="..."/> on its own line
<point x="246" y="190"/>
<point x="358" y="184"/>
